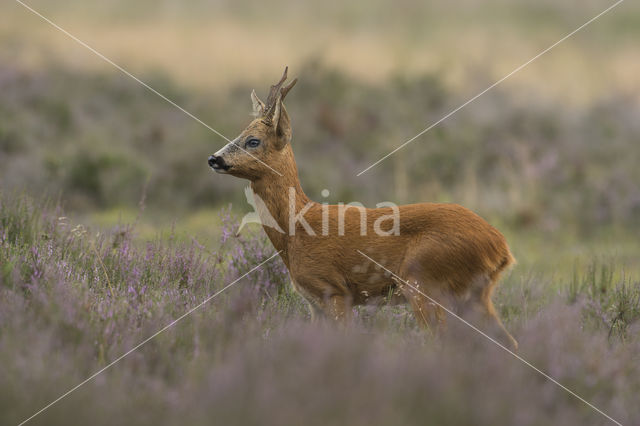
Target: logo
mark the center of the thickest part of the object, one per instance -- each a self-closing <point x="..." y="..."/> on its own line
<point x="261" y="215"/>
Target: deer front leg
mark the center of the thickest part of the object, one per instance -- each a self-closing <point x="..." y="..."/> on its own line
<point x="323" y="300"/>
<point x="315" y="307"/>
<point x="335" y="308"/>
<point x="317" y="313"/>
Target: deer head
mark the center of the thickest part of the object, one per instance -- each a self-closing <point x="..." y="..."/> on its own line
<point x="257" y="151"/>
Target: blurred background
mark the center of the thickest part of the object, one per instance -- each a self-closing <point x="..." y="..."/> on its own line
<point x="550" y="156"/>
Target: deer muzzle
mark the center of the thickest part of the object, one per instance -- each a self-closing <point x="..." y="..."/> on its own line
<point x="217" y="163"/>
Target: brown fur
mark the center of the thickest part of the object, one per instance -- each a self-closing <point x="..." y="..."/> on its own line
<point x="452" y="254"/>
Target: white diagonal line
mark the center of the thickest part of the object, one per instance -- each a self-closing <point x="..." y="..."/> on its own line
<point x="548" y="377"/>
<point x="492" y="86"/>
<point x="171" y="324"/>
<point x="124" y="71"/>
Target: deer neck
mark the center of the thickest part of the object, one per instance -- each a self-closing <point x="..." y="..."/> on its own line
<point x="276" y="192"/>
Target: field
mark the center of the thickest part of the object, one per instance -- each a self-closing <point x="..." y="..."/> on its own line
<point x="73" y="301"/>
<point x="112" y="226"/>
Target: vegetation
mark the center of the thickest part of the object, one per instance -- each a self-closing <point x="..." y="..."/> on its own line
<point x="72" y="300"/>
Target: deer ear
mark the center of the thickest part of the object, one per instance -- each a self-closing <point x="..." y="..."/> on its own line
<point x="281" y="124"/>
<point x="258" y="105"/>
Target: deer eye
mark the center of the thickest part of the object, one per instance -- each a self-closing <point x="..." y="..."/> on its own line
<point x="252" y="143"/>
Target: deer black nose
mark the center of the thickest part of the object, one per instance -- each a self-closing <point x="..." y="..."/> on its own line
<point x="217" y="163"/>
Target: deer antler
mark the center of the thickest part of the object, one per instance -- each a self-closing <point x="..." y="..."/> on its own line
<point x="274" y="92"/>
<point x="277" y="93"/>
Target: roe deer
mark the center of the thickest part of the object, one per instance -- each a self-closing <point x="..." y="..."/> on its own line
<point x="452" y="254"/>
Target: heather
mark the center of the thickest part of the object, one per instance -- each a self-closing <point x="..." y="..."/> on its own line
<point x="73" y="299"/>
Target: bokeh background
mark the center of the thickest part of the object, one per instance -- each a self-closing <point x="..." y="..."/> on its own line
<point x="551" y="150"/>
<point x="110" y="181"/>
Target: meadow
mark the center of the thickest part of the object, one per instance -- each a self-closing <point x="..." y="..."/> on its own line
<point x="112" y="226"/>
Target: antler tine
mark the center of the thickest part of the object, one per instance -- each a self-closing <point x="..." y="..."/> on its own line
<point x="288" y="87"/>
<point x="284" y="76"/>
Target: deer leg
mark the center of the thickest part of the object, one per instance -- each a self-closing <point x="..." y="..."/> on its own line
<point x="325" y="300"/>
<point x="337" y="307"/>
<point x="478" y="308"/>
<point x="499" y="330"/>
<point x="317" y="313"/>
<point x="426" y="304"/>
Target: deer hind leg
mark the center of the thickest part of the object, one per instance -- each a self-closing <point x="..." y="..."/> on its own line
<point x="479" y="309"/>
<point x="426" y="303"/>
